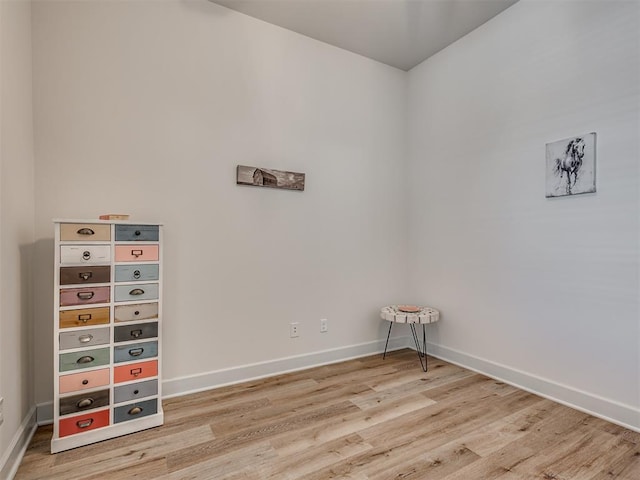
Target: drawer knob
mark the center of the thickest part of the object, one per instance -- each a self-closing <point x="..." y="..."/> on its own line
<point x="84" y="423"/>
<point x="85" y="382"/>
<point x="136" y="291"/>
<point x="136" y="333"/>
<point x="135" y="371"/>
<point x="85" y="403"/>
<point x="84" y="318"/>
<point x="135" y="411"/>
<point x="85" y="275"/>
<point x="85" y="231"/>
<point x="137" y="312"/>
<point x="136" y="274"/>
<point x="136" y="253"/>
<point x="85" y="295"/>
<point x="136" y="392"/>
<point x="85" y="359"/>
<point x="85" y="338"/>
<point x="136" y="352"/>
<point x="86" y="255"/>
<point x="137" y="233"/>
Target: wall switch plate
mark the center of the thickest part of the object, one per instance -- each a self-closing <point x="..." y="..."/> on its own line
<point x="324" y="325"/>
<point x="294" y="329"/>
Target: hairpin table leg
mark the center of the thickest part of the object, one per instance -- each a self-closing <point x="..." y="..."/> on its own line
<point x="386" y="344"/>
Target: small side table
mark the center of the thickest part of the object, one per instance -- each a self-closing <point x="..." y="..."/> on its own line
<point x="421" y="315"/>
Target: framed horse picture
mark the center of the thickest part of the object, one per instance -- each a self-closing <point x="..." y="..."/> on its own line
<point x="571" y="166"/>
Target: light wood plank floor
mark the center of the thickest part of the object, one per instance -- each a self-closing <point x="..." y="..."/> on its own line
<point x="365" y="419"/>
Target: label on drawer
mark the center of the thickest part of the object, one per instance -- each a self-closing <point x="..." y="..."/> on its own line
<point x="89" y="254"/>
<point x="137" y="273"/>
<point x="135" y="371"/>
<point x="137" y="253"/>
<point x="84" y="296"/>
<point x="136" y="351"/>
<point x="138" y="311"/>
<point x="138" y="331"/>
<point x="84" y="317"/>
<point x="85" y="274"/>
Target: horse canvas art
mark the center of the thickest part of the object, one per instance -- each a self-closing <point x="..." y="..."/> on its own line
<point x="571" y="166"/>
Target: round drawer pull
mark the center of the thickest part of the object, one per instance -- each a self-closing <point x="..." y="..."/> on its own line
<point x="137" y="312"/>
<point x="86" y="255"/>
<point x="85" y="382"/>
<point x="135" y="411"/>
<point x="136" y="392"/>
<point x="137" y="233"/>
<point x="85" y="403"/>
<point x="85" y="231"/>
<point x="84" y="423"/>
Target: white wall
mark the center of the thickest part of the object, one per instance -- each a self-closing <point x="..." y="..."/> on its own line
<point x="541" y="291"/>
<point x="16" y="228"/>
<point x="147" y="108"/>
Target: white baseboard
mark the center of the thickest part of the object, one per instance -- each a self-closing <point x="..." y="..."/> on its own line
<point x="10" y="460"/>
<point x="607" y="409"/>
<point x="219" y="378"/>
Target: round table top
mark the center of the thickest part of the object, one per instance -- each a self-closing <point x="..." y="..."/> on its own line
<point x="394" y="313"/>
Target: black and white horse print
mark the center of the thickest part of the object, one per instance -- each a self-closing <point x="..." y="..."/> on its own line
<point x="570" y="165"/>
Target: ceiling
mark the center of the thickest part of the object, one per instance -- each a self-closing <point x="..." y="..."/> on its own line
<point x="400" y="33"/>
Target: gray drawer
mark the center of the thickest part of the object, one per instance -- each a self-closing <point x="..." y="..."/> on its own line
<point x="144" y="291"/>
<point x="126" y="233"/>
<point x="134" y="391"/>
<point x="140" y="331"/>
<point x="137" y="273"/>
<point x="135" y="410"/>
<point x="84" y="359"/>
<point x="84" y="401"/>
<point x="84" y="338"/>
<point x="86" y="274"/>
<point x="135" y="351"/>
<point x="137" y="311"/>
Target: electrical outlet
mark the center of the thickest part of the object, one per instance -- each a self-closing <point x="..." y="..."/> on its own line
<point x="294" y="329"/>
<point x="324" y="325"/>
<point x="1" y="410"/>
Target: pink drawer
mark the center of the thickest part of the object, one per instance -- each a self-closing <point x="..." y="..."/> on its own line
<point x="136" y="253"/>
<point x="84" y="296"/>
<point x="80" y="381"/>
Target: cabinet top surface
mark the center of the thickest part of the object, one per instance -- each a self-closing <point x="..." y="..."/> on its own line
<point x="106" y="222"/>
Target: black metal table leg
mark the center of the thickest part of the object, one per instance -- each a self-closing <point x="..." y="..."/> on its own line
<point x="386" y="344"/>
<point x="420" y="349"/>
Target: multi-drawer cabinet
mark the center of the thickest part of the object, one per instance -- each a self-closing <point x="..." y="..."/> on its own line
<point x="107" y="330"/>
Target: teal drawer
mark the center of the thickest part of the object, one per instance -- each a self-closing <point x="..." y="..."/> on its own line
<point x="84" y="359"/>
<point x="135" y="351"/>
<point x="135" y="410"/>
<point x="147" y="233"/>
<point x="143" y="291"/>
<point x="137" y="273"/>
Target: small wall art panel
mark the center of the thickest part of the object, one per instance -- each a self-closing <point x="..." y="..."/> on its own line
<point x="571" y="166"/>
<point x="264" y="177"/>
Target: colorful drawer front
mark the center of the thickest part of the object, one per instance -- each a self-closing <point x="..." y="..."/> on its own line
<point x="136" y="371"/>
<point x="84" y="359"/>
<point x="91" y="232"/>
<point x="84" y="338"/>
<point x="135" y="351"/>
<point x="137" y="253"/>
<point x="84" y="317"/>
<point x="83" y="380"/>
<point x="82" y="275"/>
<point x="143" y="291"/>
<point x="134" y="391"/>
<point x="127" y="233"/>
<point x="85" y="254"/>
<point x="140" y="311"/>
<point x="138" y="331"/>
<point x="83" y="423"/>
<point x="137" y="273"/>
<point x="84" y="401"/>
<point x="84" y="296"/>
<point x="136" y="410"/>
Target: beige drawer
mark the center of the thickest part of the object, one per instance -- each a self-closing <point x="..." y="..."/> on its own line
<point x="91" y="232"/>
<point x="84" y="254"/>
<point x="137" y="311"/>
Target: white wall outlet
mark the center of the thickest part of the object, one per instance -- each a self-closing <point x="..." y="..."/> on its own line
<point x="1" y="410"/>
<point x="324" y="325"/>
<point x="294" y="329"/>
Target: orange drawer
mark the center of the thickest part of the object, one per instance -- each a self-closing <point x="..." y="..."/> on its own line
<point x="84" y="317"/>
<point x="135" y="371"/>
<point x="136" y="253"/>
<point x="80" y="381"/>
<point x="83" y="423"/>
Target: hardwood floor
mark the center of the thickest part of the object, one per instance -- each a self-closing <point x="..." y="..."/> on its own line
<point x="364" y="419"/>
